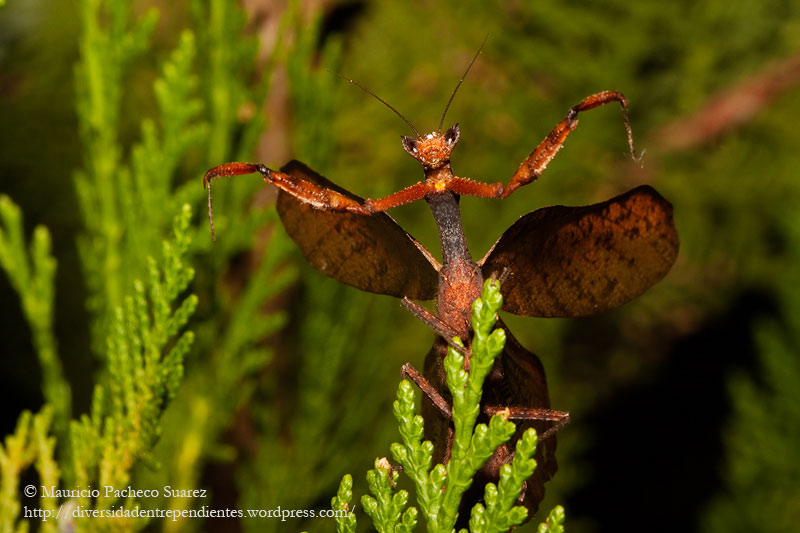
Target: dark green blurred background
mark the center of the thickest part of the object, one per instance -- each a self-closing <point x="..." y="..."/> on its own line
<point x="686" y="402"/>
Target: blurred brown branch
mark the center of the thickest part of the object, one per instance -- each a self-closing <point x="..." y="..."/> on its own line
<point x="730" y="107"/>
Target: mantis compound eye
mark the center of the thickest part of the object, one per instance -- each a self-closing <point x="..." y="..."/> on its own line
<point x="410" y="145"/>
<point x="452" y="135"/>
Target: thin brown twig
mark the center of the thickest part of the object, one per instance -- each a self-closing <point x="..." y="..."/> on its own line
<point x="729" y="108"/>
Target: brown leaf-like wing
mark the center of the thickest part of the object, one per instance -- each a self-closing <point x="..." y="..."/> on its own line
<point x="370" y="252"/>
<point x="578" y="261"/>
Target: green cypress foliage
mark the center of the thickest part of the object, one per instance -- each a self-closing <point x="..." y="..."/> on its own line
<point x="439" y="489"/>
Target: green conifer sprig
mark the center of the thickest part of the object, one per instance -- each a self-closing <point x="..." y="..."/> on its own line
<point x="439" y="489"/>
<point x="313" y="142"/>
<point x="554" y="522"/>
<point x="31" y="271"/>
<point x="140" y="307"/>
<point x="341" y="502"/>
<point x="127" y="207"/>
<point x="112" y="37"/>
<point x="388" y="508"/>
<point x="415" y="454"/>
<point x="15" y="454"/>
<point x="179" y="103"/>
<point x="145" y="367"/>
<point x="500" y="513"/>
<point x="228" y="56"/>
<point x="31" y="443"/>
<point x="163" y="145"/>
<point x="241" y="343"/>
